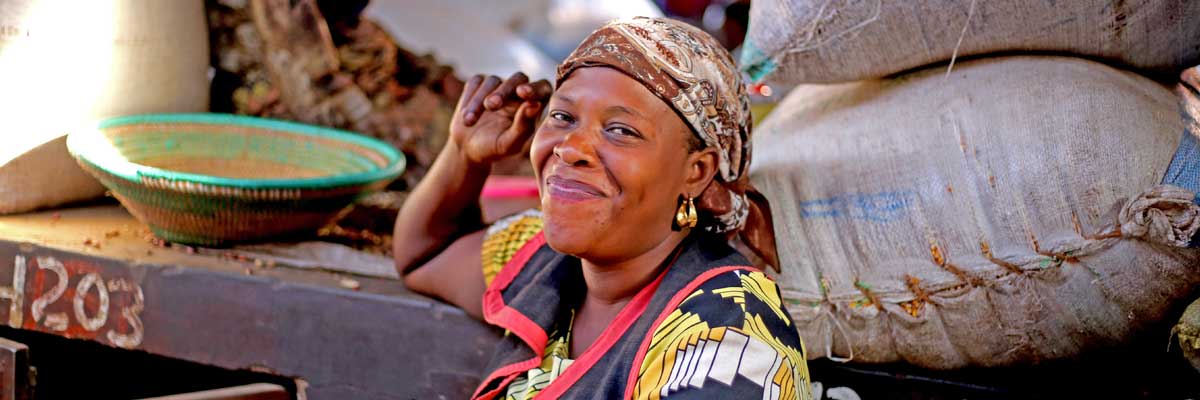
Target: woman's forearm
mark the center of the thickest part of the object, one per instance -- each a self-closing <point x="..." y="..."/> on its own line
<point x="443" y="206"/>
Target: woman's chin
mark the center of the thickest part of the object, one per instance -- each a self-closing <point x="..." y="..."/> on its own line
<point x="569" y="237"/>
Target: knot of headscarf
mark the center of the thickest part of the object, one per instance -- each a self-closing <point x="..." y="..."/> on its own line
<point x="690" y="71"/>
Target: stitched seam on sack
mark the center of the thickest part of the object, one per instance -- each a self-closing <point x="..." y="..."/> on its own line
<point x="1091" y="244"/>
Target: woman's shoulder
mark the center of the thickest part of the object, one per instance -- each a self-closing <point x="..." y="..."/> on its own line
<point x="505" y="237"/>
<point x="732" y="336"/>
<point x="749" y="301"/>
<point x="734" y="294"/>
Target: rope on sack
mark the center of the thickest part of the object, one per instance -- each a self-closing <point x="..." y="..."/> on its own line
<point x="810" y="41"/>
<point x="827" y="314"/>
<point x="1165" y="214"/>
<point x="837" y="325"/>
<point x="961" y="35"/>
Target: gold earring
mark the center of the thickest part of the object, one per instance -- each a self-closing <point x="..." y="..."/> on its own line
<point x="693" y="217"/>
<point x="686" y="216"/>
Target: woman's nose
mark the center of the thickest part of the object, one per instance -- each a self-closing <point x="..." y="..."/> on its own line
<point x="576" y="149"/>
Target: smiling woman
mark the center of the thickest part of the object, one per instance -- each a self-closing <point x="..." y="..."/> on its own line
<point x="623" y="285"/>
<point x="609" y="172"/>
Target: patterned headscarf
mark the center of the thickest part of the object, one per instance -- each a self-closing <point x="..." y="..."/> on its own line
<point x="690" y="71"/>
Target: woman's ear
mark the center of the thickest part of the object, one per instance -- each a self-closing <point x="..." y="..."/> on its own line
<point x="702" y="167"/>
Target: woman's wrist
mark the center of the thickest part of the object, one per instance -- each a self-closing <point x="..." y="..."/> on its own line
<point x="452" y="153"/>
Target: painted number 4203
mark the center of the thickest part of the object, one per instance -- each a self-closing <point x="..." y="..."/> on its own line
<point x="79" y="294"/>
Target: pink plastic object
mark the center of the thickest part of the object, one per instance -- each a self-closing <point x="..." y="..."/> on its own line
<point x="508" y="187"/>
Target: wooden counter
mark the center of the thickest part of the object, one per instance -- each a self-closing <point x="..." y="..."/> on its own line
<point x="90" y="273"/>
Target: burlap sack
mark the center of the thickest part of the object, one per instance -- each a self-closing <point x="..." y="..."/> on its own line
<point x="63" y="64"/>
<point x="814" y="41"/>
<point x="1009" y="213"/>
<point x="1188" y="333"/>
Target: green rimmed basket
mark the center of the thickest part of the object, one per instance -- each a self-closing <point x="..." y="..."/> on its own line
<point x="218" y="179"/>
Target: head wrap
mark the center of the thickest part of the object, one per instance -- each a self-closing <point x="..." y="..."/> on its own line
<point x="690" y="71"/>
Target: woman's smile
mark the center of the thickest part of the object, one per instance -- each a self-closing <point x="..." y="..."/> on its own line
<point x="561" y="188"/>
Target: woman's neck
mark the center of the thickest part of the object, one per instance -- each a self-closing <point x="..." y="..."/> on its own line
<point x="610" y="286"/>
<point x="615" y="283"/>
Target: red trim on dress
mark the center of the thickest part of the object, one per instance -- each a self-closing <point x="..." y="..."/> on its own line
<point x="625" y="319"/>
<point x="500" y="314"/>
<point x="512" y="370"/>
<point x="497" y="313"/>
<point x="514" y="265"/>
<point x="682" y="294"/>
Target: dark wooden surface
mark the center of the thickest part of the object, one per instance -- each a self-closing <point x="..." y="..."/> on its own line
<point x="377" y="342"/>
<point x="258" y="391"/>
<point x="14" y="371"/>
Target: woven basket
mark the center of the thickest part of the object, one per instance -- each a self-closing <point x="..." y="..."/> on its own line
<point x="218" y="179"/>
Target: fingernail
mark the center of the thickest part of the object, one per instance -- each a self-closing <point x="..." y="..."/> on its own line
<point x="470" y="117"/>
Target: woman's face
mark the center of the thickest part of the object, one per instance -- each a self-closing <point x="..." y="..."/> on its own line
<point x="611" y="161"/>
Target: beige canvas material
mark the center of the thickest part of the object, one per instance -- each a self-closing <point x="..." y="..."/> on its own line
<point x="45" y="176"/>
<point x="1188" y="333"/>
<point x="65" y="63"/>
<point x="1005" y="214"/>
<point x="821" y="41"/>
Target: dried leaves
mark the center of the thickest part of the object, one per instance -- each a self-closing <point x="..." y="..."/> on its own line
<point x="288" y="62"/>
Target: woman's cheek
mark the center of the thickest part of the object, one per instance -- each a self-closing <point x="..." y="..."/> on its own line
<point x="651" y="185"/>
<point x="540" y="151"/>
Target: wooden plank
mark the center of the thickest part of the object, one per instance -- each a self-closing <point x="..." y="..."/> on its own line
<point x="257" y="391"/>
<point x="343" y="343"/>
<point x="15" y="381"/>
<point x="109" y="232"/>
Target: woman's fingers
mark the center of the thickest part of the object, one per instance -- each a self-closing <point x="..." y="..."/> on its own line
<point x="469" y="90"/>
<point x="506" y="91"/>
<point x="474" y="107"/>
<point x="536" y="91"/>
<point x="523" y="125"/>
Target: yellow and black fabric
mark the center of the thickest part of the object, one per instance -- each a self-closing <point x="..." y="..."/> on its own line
<point x="505" y="237"/>
<point x="709" y="327"/>
<point x="556" y="359"/>
<point x="731" y="338"/>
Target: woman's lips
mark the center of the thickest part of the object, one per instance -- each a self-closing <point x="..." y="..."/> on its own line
<point x="571" y="189"/>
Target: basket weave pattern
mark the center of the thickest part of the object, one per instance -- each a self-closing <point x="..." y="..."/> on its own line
<point x="260" y="173"/>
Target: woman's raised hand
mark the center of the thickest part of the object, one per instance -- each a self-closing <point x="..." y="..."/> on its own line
<point x="495" y="119"/>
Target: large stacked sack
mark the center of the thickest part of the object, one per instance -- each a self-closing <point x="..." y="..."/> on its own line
<point x="821" y="41"/>
<point x="1016" y="210"/>
<point x="62" y="66"/>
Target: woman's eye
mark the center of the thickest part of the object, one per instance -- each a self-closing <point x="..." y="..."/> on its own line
<point x="623" y="131"/>
<point x="561" y="116"/>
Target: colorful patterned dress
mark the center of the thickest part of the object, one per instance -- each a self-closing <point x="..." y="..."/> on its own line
<point x="707" y="328"/>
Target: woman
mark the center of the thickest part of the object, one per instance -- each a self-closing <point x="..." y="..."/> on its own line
<point x="624" y="284"/>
